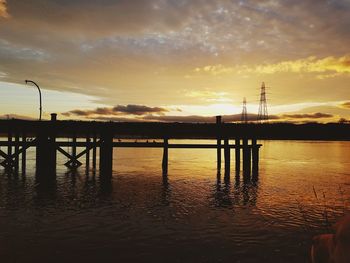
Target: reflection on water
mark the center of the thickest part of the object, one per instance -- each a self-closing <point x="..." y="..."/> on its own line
<point x="193" y="215"/>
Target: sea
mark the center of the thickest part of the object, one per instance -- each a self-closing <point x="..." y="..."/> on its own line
<point x="194" y="214"/>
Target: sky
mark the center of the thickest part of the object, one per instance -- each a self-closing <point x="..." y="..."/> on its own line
<point x="175" y="60"/>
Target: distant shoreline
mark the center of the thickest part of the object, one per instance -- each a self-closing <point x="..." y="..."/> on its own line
<point x="161" y="130"/>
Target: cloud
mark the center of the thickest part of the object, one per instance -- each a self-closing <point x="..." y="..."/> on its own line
<point x="333" y="65"/>
<point x="345" y="105"/>
<point x="130" y="109"/>
<point x="15" y="116"/>
<point x="106" y="17"/>
<point x="317" y="115"/>
<point x="3" y="9"/>
<point x="208" y="95"/>
<point x="138" y="109"/>
<point x="194" y="118"/>
<point x="98" y="47"/>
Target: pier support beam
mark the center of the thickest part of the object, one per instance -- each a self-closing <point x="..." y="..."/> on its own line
<point x="24" y="154"/>
<point x="255" y="157"/>
<point x="238" y="154"/>
<point x="94" y="140"/>
<point x="218" y="156"/>
<point x="16" y="158"/>
<point x="87" y="162"/>
<point x="218" y="150"/>
<point x="9" y="148"/>
<point x="227" y="153"/>
<point x="74" y="148"/>
<point x="246" y="158"/>
<point x="165" y="157"/>
<point x="106" y="156"/>
<point x="46" y="156"/>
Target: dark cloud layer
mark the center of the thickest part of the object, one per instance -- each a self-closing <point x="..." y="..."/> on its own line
<point x="345" y="105"/>
<point x="138" y="109"/>
<point x="99" y="18"/>
<point x="204" y="119"/>
<point x="317" y="115"/>
<point x="117" y="110"/>
<point x="145" y="113"/>
<point x="15" y="116"/>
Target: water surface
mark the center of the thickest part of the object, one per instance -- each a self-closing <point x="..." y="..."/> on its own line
<point x="192" y="215"/>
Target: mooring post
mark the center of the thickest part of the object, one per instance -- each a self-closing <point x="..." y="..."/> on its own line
<point x="255" y="156"/>
<point x="218" y="142"/>
<point x="94" y="140"/>
<point x="24" y="153"/>
<point x="45" y="156"/>
<point x="227" y="153"/>
<point x="16" y="161"/>
<point x="87" y="163"/>
<point x="238" y="154"/>
<point x="106" y="156"/>
<point x="9" y="147"/>
<point x="74" y="148"/>
<point x="246" y="157"/>
<point x="165" y="157"/>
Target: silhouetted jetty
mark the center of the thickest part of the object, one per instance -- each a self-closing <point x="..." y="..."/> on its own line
<point x="49" y="137"/>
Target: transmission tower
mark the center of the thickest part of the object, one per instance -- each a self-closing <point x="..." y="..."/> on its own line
<point x="244" y="116"/>
<point x="263" y="115"/>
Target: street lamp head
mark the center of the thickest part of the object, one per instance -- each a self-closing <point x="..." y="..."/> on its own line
<point x="40" y="108"/>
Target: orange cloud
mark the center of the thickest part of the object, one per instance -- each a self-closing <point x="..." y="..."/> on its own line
<point x="3" y="9"/>
<point x="326" y="67"/>
<point x="345" y="105"/>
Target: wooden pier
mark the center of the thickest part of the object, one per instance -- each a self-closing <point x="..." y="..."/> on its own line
<point x="52" y="137"/>
<point x="98" y="139"/>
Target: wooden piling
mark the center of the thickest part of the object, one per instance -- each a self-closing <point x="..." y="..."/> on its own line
<point x="16" y="157"/>
<point x="45" y="156"/>
<point x="24" y="153"/>
<point x="218" y="155"/>
<point x="227" y="153"/>
<point x="238" y="154"/>
<point x="165" y="157"/>
<point x="255" y="157"/>
<point x="246" y="157"/>
<point x="9" y="147"/>
<point x="87" y="162"/>
<point x="74" y="149"/>
<point x="106" y="156"/>
<point x="94" y="140"/>
<point x="218" y="143"/>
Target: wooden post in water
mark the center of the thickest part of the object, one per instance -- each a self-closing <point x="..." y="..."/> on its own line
<point x="24" y="153"/>
<point x="227" y="153"/>
<point x="165" y="157"/>
<point x="246" y="157"/>
<point x="16" y="158"/>
<point x="218" y="150"/>
<point x="255" y="157"/>
<point x="45" y="156"/>
<point x="94" y="140"/>
<point x="87" y="163"/>
<point x="74" y="149"/>
<point x="238" y="154"/>
<point x="9" y="148"/>
<point x="106" y="156"/>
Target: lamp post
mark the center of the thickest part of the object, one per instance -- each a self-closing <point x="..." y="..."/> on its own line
<point x="40" y="108"/>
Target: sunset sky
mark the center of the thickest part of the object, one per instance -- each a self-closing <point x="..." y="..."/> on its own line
<point x="175" y="60"/>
